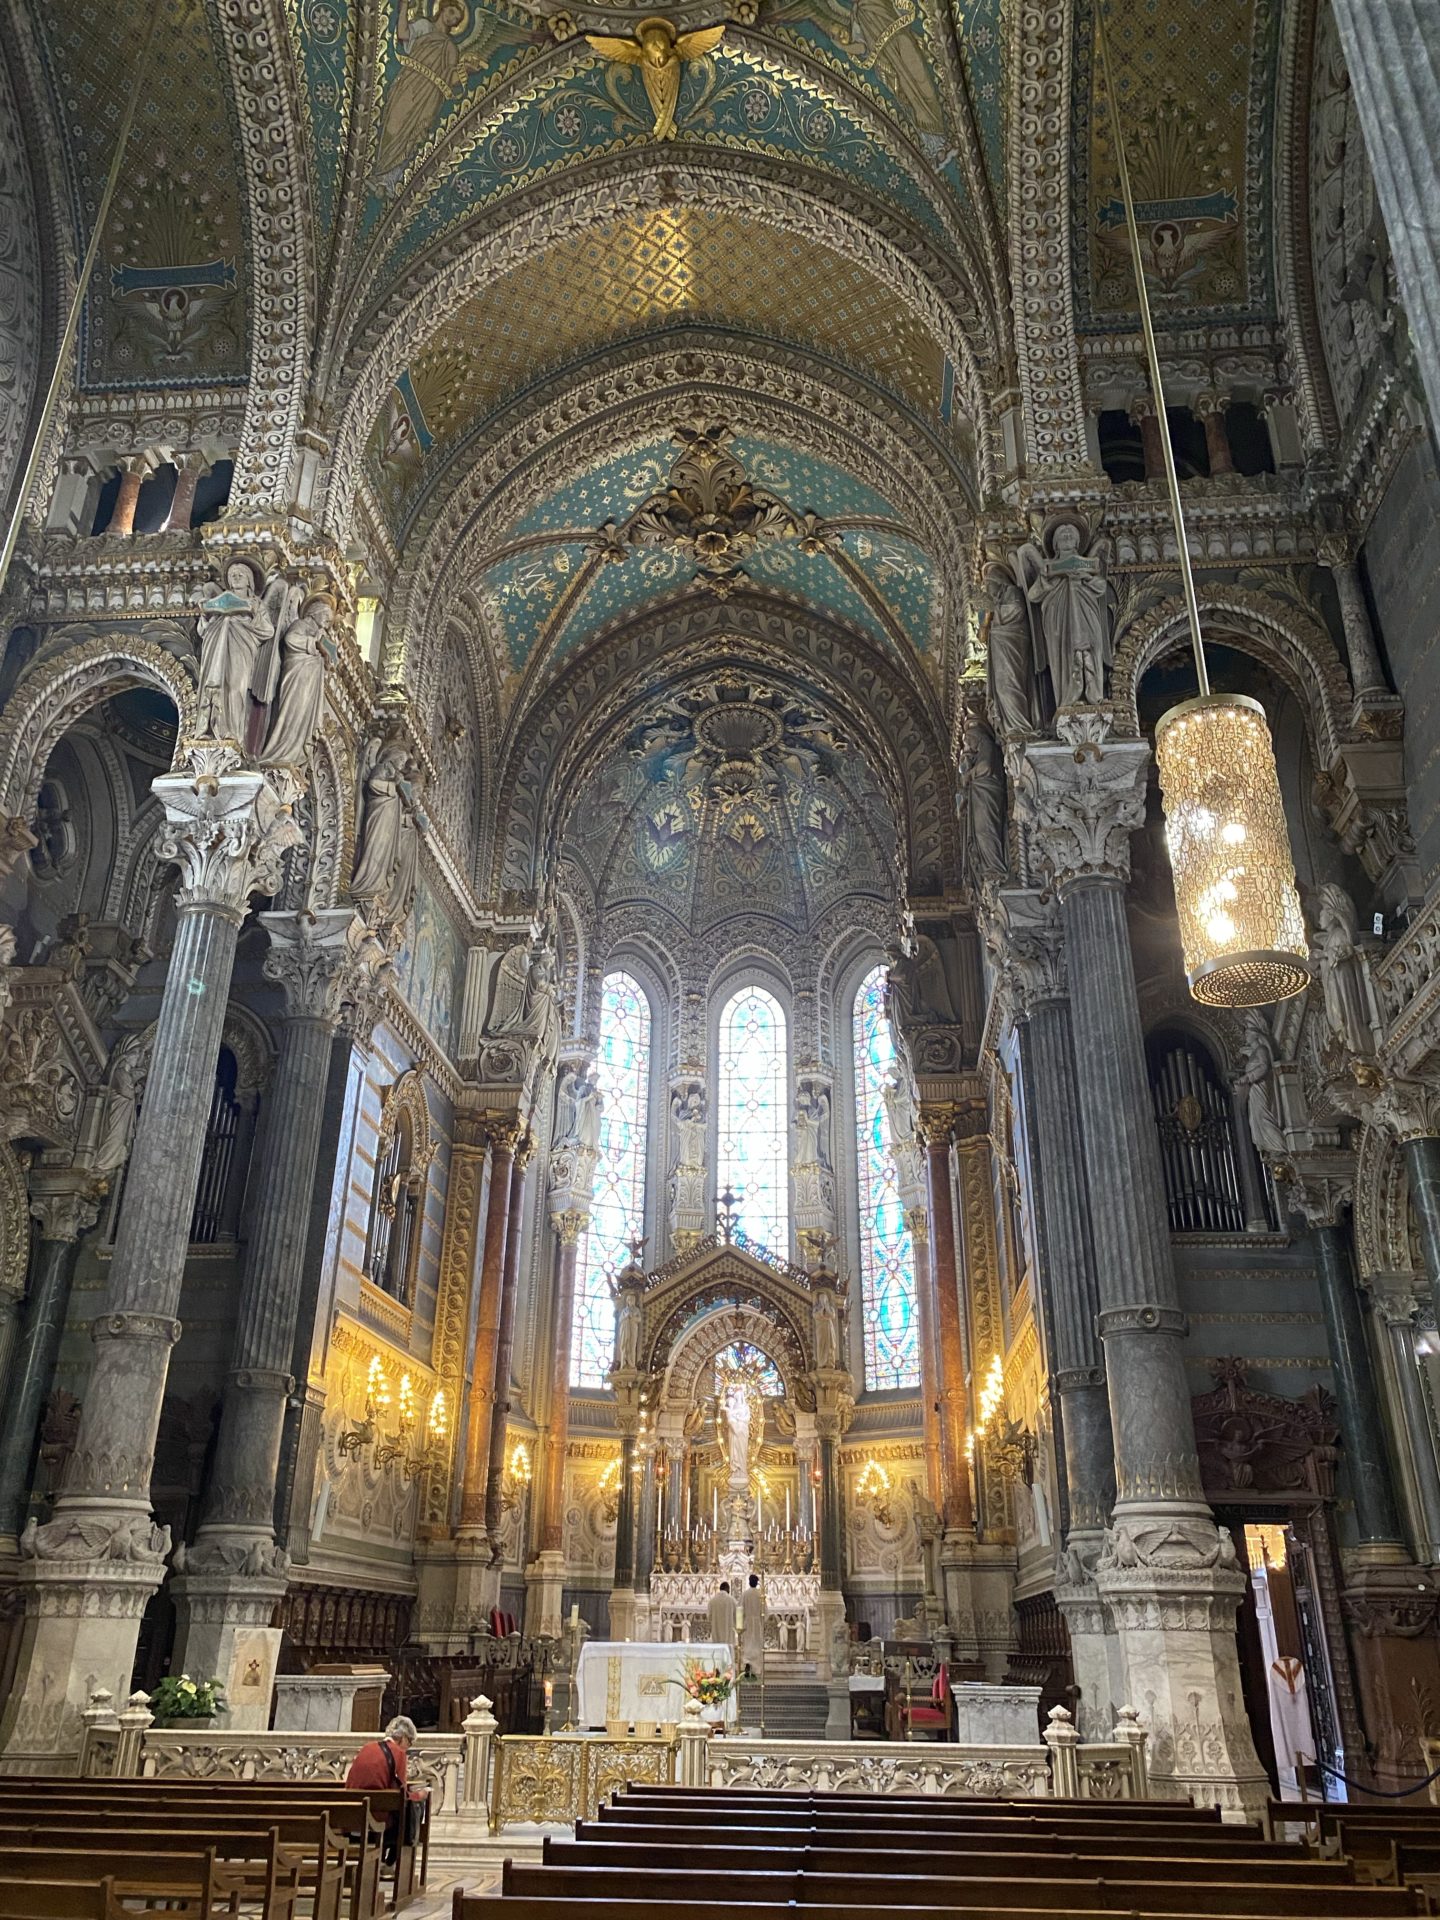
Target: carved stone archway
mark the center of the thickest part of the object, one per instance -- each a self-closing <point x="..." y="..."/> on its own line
<point x="720" y="1293"/>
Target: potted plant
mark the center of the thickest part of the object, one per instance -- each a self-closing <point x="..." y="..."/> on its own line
<point x="711" y="1686"/>
<point x="179" y="1701"/>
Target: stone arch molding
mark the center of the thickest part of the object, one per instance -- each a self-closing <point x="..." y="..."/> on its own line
<point x="1382" y="1205"/>
<point x="1290" y="641"/>
<point x="546" y="440"/>
<point x="63" y="687"/>
<point x="550" y="751"/>
<point x="953" y="309"/>
<point x="705" y="1301"/>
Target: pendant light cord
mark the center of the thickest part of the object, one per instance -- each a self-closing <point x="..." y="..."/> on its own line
<point x="77" y="303"/>
<point x="1152" y="355"/>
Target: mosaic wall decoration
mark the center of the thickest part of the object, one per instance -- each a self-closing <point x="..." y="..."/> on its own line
<point x="668" y="265"/>
<point x="1195" y="87"/>
<point x="428" y="966"/>
<point x="167" y="302"/>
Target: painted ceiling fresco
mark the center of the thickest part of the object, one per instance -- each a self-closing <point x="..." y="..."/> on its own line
<point x="167" y="303"/>
<point x="732" y="795"/>
<point x="666" y="267"/>
<point x="553" y="583"/>
<point x="1196" y="84"/>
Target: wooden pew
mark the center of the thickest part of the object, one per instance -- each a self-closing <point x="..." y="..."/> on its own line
<point x="183" y="1879"/>
<point x="266" y="1872"/>
<point x="909" y="1822"/>
<point x="60" y="1900"/>
<point x="804" y="1798"/>
<point x="989" y="1892"/>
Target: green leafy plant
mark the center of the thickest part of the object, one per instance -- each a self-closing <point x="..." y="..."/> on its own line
<point x="178" y="1697"/>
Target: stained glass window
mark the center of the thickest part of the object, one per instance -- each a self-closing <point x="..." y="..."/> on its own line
<point x="622" y="1072"/>
<point x="753" y="1159"/>
<point x="887" y="1252"/>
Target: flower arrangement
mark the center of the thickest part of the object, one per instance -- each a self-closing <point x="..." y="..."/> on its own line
<point x="711" y="1686"/>
<point x="178" y="1697"/>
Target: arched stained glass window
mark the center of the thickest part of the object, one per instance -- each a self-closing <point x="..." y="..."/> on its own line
<point x="753" y="1161"/>
<point x="622" y="1073"/>
<point x="887" y="1252"/>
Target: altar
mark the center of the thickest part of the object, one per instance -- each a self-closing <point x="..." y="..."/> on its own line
<point x="634" y="1680"/>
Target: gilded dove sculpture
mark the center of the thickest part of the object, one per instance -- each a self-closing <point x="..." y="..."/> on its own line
<point x="659" y="52"/>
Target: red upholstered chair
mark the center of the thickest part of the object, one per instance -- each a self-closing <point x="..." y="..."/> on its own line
<point x="501" y="1624"/>
<point x="936" y="1716"/>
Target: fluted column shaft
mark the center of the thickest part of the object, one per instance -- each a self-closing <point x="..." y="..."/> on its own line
<point x="60" y="1222"/>
<point x="504" y="1354"/>
<point x="1376" y="1517"/>
<point x="1072" y="1296"/>
<point x="320" y="960"/>
<point x="957" y="1506"/>
<point x="1392" y="49"/>
<point x="552" y="1489"/>
<point x="487" y="1325"/>
<point x="1422" y="1168"/>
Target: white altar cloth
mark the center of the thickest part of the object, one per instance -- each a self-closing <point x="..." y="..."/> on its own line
<point x="626" y="1679"/>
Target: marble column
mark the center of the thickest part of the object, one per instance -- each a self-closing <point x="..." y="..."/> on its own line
<point x="504" y="1355"/>
<point x="936" y="1129"/>
<point x="568" y="1229"/>
<point x="62" y="1213"/>
<point x="188" y="469"/>
<point x="1144" y="416"/>
<point x="1422" y="1169"/>
<point x="1167" y="1574"/>
<point x="90" y="1571"/>
<point x="1247" y="1162"/>
<point x="1394" y="1303"/>
<point x="1367" y="676"/>
<point x="233" y="1575"/>
<point x="132" y="476"/>
<point x="503" y="1136"/>
<point x="917" y="1220"/>
<point x="1034" y="953"/>
<point x="1210" y="409"/>
<point x="1392" y="50"/>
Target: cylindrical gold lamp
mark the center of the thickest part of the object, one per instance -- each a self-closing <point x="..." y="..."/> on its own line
<point x="1240" y="921"/>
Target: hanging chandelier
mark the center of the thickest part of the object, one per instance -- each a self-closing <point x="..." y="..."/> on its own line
<point x="1241" y="928"/>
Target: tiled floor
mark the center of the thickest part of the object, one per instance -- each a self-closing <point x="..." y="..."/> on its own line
<point x="435" y="1901"/>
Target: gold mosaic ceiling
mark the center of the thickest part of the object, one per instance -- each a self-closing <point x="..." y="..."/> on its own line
<point x="651" y="270"/>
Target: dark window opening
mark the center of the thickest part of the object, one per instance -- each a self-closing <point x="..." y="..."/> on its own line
<point x="212" y="493"/>
<point x="1122" y="454"/>
<point x="157" y="490"/>
<point x="1249" y="438"/>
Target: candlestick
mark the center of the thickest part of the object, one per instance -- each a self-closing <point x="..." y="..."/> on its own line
<point x="715" y="1508"/>
<point x="787" y="1509"/>
<point x="575" y="1614"/>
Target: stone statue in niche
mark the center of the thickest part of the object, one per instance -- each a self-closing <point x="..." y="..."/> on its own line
<point x="687" y="1111"/>
<point x="627" y="1328"/>
<point x="980" y="799"/>
<point x="899" y="1108"/>
<point x="1343" y="970"/>
<point x="1257" y="1056"/>
<point x="1009" y="649"/>
<point x="1064" y="579"/>
<point x="579" y="1105"/>
<point x="812" y="1124"/>
<point x="388" y="863"/>
<point x="302" y="654"/>
<point x="233" y="627"/>
<point x="825" y="1321"/>
<point x="525" y="1001"/>
<point x="117" y="1125"/>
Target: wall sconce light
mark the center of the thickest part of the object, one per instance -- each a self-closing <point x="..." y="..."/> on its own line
<point x="354" y="1440"/>
<point x="872" y="1490"/>
<point x="516" y="1480"/>
<point x="608" y="1487"/>
<point x="400" y="1445"/>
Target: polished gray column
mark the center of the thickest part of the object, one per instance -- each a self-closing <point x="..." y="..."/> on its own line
<point x="234" y="1573"/>
<point x="61" y="1218"/>
<point x="1392" y="50"/>
<point x="92" y="1568"/>
<point x="1422" y="1168"/>
<point x="1167" y="1575"/>
<point x="505" y="1354"/>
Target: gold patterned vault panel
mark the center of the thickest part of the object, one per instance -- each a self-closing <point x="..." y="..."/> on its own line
<point x="614" y="283"/>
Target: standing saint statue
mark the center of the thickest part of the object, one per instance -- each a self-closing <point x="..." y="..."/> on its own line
<point x="1257" y="1055"/>
<point x="306" y="651"/>
<point x="812" y="1125"/>
<point x="1010" y="683"/>
<point x="1342" y="969"/>
<point x="980" y="799"/>
<point x="388" y="864"/>
<point x="687" y="1111"/>
<point x="233" y="627"/>
<point x="1065" y="578"/>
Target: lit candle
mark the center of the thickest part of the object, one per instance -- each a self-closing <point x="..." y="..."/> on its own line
<point x="787" y="1509"/>
<point x="715" y="1508"/>
<point x="575" y="1614"/>
<point x="760" y="1507"/>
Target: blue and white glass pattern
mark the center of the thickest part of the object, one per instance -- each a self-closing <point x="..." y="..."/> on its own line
<point x="887" y="1252"/>
<point x="617" y="1213"/>
<point x="754" y="1131"/>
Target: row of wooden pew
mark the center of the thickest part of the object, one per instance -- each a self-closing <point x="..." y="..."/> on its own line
<point x="99" y="1849"/>
<point x="671" y="1853"/>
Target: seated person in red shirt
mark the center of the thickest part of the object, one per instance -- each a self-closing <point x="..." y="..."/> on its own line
<point x="382" y="1764"/>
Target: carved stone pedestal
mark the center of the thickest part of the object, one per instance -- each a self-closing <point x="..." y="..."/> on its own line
<point x="545" y="1594"/>
<point x="1172" y="1586"/>
<point x="623" y="1613"/>
<point x="81" y="1620"/>
<point x="224" y="1628"/>
<point x="459" y="1589"/>
<point x="1391" y="1612"/>
<point x="1094" y="1649"/>
<point x="979" y="1580"/>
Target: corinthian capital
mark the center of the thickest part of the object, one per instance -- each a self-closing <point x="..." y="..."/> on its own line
<point x="1079" y="801"/>
<point x="325" y="962"/>
<point x="1029" y="943"/>
<point x="226" y="833"/>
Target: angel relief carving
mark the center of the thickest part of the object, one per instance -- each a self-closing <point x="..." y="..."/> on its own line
<point x="659" y="52"/>
<point x="1063" y="575"/>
